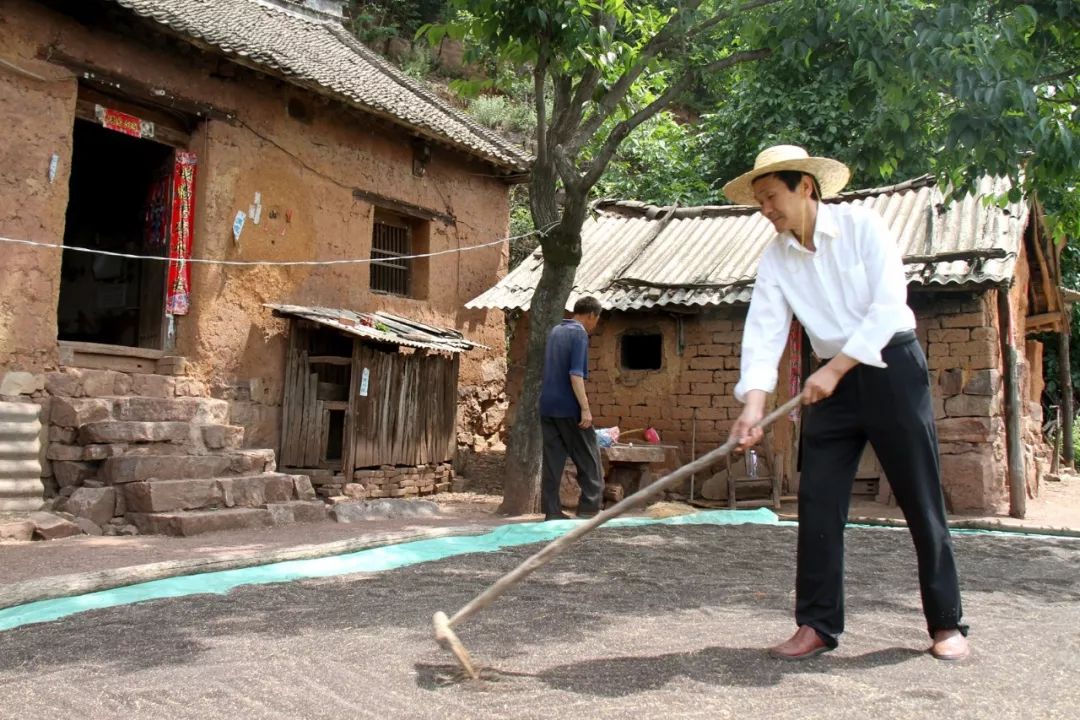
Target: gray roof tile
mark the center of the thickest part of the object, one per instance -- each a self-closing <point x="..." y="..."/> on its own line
<point x="320" y="54"/>
<point x="637" y="256"/>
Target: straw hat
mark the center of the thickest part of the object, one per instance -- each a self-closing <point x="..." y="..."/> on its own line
<point x="832" y="175"/>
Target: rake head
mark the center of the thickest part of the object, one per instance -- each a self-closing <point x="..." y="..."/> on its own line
<point x="448" y="640"/>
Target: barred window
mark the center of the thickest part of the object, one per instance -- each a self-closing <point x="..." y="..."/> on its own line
<point x="391" y="244"/>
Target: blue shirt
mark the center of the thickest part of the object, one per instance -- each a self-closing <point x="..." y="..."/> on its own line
<point x="567" y="354"/>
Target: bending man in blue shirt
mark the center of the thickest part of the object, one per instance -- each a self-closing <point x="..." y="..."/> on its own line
<point x="565" y="417"/>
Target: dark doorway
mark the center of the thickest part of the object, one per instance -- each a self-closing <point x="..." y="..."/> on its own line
<point x="106" y="299"/>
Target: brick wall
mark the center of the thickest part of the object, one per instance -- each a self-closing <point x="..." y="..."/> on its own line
<point x="690" y="399"/>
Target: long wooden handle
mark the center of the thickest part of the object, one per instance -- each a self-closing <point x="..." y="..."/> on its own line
<point x="556" y="546"/>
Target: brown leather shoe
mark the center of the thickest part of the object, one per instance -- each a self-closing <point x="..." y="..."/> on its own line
<point x="804" y="644"/>
<point x="950" y="645"/>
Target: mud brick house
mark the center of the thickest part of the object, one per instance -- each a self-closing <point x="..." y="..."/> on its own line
<point x="238" y="131"/>
<point x="675" y="284"/>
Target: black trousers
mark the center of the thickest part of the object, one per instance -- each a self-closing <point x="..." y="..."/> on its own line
<point x="891" y="408"/>
<point x="562" y="438"/>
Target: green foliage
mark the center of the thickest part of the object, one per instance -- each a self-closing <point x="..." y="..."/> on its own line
<point x="376" y="20"/>
<point x="503" y="113"/>
<point x="661" y="163"/>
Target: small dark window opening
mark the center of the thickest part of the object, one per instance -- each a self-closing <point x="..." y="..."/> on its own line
<point x="641" y="352"/>
<point x="391" y="244"/>
<point x="298" y="110"/>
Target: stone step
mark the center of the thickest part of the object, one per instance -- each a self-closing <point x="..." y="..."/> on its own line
<point x="135" y="468"/>
<point x="215" y="436"/>
<point x="195" y="522"/>
<point x="154" y="496"/>
<point x="182" y="409"/>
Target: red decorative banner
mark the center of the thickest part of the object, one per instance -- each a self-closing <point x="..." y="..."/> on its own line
<point x="178" y="291"/>
<point x="795" y="363"/>
<point x="123" y="123"/>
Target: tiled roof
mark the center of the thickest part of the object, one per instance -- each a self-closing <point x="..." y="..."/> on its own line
<point x="637" y="256"/>
<point x="381" y="327"/>
<point x="307" y="49"/>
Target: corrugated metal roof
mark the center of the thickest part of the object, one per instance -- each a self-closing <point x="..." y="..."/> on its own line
<point x="310" y="51"/>
<point x="637" y="256"/>
<point x="381" y="327"/>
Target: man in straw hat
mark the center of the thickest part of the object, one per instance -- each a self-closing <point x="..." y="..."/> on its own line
<point x="838" y="270"/>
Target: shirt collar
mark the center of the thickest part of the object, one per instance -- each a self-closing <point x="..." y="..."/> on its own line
<point x="824" y="226"/>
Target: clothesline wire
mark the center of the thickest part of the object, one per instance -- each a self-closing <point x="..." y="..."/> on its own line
<point x="272" y="263"/>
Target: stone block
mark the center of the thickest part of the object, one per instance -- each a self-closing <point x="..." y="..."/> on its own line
<point x="64" y="384"/>
<point x="256" y="490"/>
<point x="62" y="452"/>
<point x="197" y="522"/>
<point x="123" y="384"/>
<point x="296" y="511"/>
<point x="169" y="495"/>
<point x="984" y="382"/>
<point x="186" y="409"/>
<point x="354" y="490"/>
<point x="302" y="486"/>
<point x="14" y="382"/>
<point x="21" y="530"/>
<point x="952" y="382"/>
<point x="99" y="383"/>
<point x="89" y="527"/>
<point x="100" y="452"/>
<point x="94" y="504"/>
<point x="190" y="387"/>
<point x="115" y="431"/>
<point x="939" y="407"/>
<point x="966" y="429"/>
<point x="76" y="412"/>
<point x="246" y="462"/>
<point x="972" y="406"/>
<point x="48" y="526"/>
<point x="217" y="437"/>
<point x="970" y="481"/>
<point x="156" y="386"/>
<point x="69" y="474"/>
<point x="62" y="435"/>
<point x="121" y="506"/>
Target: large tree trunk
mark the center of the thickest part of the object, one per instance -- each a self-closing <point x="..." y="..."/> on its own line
<point x="521" y="482"/>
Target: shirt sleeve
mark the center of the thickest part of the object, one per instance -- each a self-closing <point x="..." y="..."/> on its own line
<point x="888" y="292"/>
<point x="579" y="355"/>
<point x="764" y="335"/>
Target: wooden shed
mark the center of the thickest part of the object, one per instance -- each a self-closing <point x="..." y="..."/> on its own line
<point x="369" y="399"/>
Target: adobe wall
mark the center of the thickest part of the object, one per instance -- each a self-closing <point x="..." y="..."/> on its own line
<point x="304" y="170"/>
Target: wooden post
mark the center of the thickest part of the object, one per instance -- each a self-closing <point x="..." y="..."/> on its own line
<point x="1015" y="451"/>
<point x="1065" y="373"/>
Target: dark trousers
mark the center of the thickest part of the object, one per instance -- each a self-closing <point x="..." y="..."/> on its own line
<point x="562" y="438"/>
<point x="891" y="408"/>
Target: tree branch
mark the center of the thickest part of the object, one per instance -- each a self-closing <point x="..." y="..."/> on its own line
<point x="668" y="36"/>
<point x="721" y="17"/>
<point x="539" y="72"/>
<point x="673" y="91"/>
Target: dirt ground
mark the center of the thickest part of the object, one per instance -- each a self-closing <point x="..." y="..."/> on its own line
<point x="647" y="622"/>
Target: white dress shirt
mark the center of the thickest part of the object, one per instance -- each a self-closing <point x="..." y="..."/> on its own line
<point x="850" y="295"/>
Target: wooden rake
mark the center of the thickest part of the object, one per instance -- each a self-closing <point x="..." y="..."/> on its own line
<point x="444" y="633"/>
